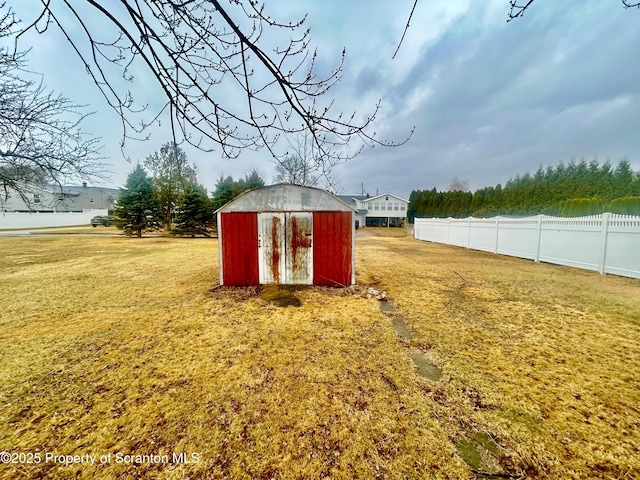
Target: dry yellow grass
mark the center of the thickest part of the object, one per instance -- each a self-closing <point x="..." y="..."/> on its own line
<point x="113" y="345"/>
<point x="384" y="231"/>
<point x="80" y="230"/>
<point x="119" y="346"/>
<point x="540" y="360"/>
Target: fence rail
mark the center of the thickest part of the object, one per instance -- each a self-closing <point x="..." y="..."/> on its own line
<point x="606" y="243"/>
<point x="9" y="220"/>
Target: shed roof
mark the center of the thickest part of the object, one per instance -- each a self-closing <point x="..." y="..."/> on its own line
<point x="285" y="197"/>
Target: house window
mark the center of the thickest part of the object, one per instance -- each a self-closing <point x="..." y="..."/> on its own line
<point x="375" y="207"/>
<point x="402" y="206"/>
<point x="36" y="198"/>
<point x="91" y="199"/>
<point x="395" y="206"/>
<point x="386" y="198"/>
<point x="382" y="206"/>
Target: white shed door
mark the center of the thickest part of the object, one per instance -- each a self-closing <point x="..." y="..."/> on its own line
<point x="299" y="248"/>
<point x="285" y="251"/>
<point x="271" y="266"/>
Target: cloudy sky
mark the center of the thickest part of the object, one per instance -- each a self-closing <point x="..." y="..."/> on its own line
<point x="488" y="99"/>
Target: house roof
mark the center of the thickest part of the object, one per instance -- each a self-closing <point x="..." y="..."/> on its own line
<point x="390" y="195"/>
<point x="352" y="198"/>
<point x="77" y="190"/>
<point x="285" y="197"/>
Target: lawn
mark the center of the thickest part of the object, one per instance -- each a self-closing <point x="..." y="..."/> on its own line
<point x="121" y="352"/>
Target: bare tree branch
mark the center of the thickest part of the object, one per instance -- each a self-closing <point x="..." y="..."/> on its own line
<point x="516" y="10"/>
<point x="229" y="76"/>
<point x="406" y="27"/>
<point x="40" y="136"/>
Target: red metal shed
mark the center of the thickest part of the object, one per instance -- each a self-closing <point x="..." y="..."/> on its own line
<point x="286" y="234"/>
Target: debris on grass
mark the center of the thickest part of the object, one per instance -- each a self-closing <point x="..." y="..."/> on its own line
<point x="377" y="294"/>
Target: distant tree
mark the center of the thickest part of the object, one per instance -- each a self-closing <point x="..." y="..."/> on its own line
<point x="625" y="206"/>
<point x="623" y="178"/>
<point x="40" y="136"/>
<point x="579" y="207"/>
<point x="194" y="215"/>
<point x="137" y="209"/>
<point x="224" y="192"/>
<point x="253" y="179"/>
<point x="227" y="189"/>
<point x="172" y="174"/>
<point x="635" y="185"/>
<point x="296" y="170"/>
<point x="457" y="185"/>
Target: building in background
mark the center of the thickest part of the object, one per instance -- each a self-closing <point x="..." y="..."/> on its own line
<point x="56" y="198"/>
<point x="386" y="210"/>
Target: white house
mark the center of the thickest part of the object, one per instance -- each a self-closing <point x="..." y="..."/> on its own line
<point x="386" y="210"/>
<point x="54" y="198"/>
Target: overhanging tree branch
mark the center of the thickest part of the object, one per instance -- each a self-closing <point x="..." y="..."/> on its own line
<point x="516" y="10"/>
<point x="204" y="57"/>
<point x="41" y="140"/>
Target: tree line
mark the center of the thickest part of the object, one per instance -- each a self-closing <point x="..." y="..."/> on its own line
<point x="573" y="189"/>
<point x="168" y="196"/>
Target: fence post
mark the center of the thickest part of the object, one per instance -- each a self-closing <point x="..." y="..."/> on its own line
<point x="469" y="233"/>
<point x="448" y="230"/>
<point x="605" y="236"/>
<point x="537" y="259"/>
<point x="495" y="250"/>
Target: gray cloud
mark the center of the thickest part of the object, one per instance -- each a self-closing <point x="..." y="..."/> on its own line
<point x="496" y="101"/>
<point x="489" y="100"/>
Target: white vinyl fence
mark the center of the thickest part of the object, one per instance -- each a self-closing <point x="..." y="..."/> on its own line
<point x="607" y="243"/>
<point x="9" y="220"/>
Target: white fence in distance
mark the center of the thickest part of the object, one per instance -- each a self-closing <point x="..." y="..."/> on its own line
<point x="13" y="220"/>
<point x="606" y="243"/>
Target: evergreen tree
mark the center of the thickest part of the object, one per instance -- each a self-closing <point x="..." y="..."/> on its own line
<point x="625" y="206"/>
<point x="573" y="189"/>
<point x="137" y="210"/>
<point x="579" y="207"/>
<point x="172" y="174"/>
<point x="194" y="215"/>
<point x="227" y="189"/>
<point x="224" y="192"/>
<point x="623" y="179"/>
<point x="253" y="179"/>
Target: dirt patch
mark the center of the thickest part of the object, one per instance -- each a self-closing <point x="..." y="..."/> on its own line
<point x="401" y="328"/>
<point x="281" y="295"/>
<point x="480" y="451"/>
<point x="397" y="321"/>
<point x="425" y="367"/>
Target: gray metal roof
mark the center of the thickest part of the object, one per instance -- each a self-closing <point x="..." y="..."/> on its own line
<point x="77" y="190"/>
<point x="286" y="197"/>
<point x="350" y="199"/>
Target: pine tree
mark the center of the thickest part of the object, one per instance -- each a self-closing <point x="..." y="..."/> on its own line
<point x="224" y="192"/>
<point x="573" y="189"/>
<point x="172" y="174"/>
<point x="137" y="210"/>
<point x="253" y="179"/>
<point x="195" y="213"/>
